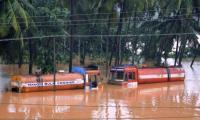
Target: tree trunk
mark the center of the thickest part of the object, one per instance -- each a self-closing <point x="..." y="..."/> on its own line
<point x="108" y="62"/>
<point x="133" y="42"/>
<point x="111" y="56"/>
<point x="176" y="54"/>
<point x="119" y="29"/>
<point x="107" y="57"/>
<point x="79" y="50"/>
<point x="159" y="54"/>
<point x="193" y="60"/>
<point x="82" y="60"/>
<point x="20" y="56"/>
<point x="182" y="50"/>
<point x="30" y="56"/>
<point x="122" y="53"/>
<point x="195" y="55"/>
<point x="107" y="45"/>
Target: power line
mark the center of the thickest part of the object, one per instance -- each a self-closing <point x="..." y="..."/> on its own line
<point x="144" y="11"/>
<point x="84" y="36"/>
<point x="27" y="38"/>
<point x="103" y="19"/>
<point x="89" y="14"/>
<point x="132" y="21"/>
<point x="105" y="14"/>
<point x="39" y="24"/>
<point x="143" y="19"/>
<point x="135" y="35"/>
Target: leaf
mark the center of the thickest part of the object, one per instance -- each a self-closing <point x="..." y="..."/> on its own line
<point x="189" y="8"/>
<point x="4" y="28"/>
<point x="179" y="4"/>
<point x="24" y="16"/>
<point x="12" y="15"/>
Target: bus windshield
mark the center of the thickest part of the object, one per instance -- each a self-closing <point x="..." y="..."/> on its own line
<point x="118" y="75"/>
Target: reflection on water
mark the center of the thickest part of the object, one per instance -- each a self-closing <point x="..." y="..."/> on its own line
<point x="174" y="100"/>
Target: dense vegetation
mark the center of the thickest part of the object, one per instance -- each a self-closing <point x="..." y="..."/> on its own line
<point x="112" y="31"/>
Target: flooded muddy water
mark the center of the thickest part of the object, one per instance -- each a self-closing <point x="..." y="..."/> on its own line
<point x="171" y="100"/>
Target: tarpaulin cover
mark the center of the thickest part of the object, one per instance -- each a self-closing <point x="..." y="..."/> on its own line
<point x="77" y="69"/>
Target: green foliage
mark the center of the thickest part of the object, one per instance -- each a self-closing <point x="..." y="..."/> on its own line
<point x="26" y="18"/>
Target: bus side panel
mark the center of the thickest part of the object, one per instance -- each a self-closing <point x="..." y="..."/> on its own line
<point x="176" y="74"/>
<point x="152" y="75"/>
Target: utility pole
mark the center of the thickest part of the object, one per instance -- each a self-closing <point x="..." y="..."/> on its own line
<point x="71" y="33"/>
<point x="54" y="65"/>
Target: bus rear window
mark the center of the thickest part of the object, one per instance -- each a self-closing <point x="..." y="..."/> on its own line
<point x="119" y="75"/>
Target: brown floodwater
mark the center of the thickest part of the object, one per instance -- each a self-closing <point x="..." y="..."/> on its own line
<point x="170" y="100"/>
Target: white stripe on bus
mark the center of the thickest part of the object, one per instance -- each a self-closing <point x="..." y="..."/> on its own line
<point x="153" y="76"/>
<point x="51" y="83"/>
<point x="161" y="76"/>
<point x="177" y="75"/>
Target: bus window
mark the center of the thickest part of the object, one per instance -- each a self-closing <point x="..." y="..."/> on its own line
<point x="93" y="81"/>
<point x="92" y="78"/>
<point x="117" y="76"/>
<point x="131" y="76"/>
<point x="120" y="75"/>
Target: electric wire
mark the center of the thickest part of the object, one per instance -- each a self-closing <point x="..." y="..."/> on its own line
<point x="86" y="36"/>
<point x="110" y="13"/>
<point x="131" y="21"/>
<point x="104" y="20"/>
<point x="99" y="23"/>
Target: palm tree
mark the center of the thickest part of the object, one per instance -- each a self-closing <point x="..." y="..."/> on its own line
<point x="173" y="17"/>
<point x="15" y="17"/>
